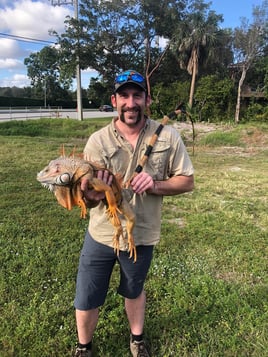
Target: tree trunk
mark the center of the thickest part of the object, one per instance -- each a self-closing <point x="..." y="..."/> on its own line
<point x="194" y="72"/>
<point x="241" y="81"/>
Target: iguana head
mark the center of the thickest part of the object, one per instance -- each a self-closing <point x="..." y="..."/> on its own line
<point x="62" y="177"/>
<point x="59" y="172"/>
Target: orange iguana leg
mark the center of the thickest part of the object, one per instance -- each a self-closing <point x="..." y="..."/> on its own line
<point x="112" y="209"/>
<point x="79" y="201"/>
<point x="130" y="217"/>
<point x="118" y="232"/>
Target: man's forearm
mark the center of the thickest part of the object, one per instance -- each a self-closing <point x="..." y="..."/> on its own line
<point x="173" y="186"/>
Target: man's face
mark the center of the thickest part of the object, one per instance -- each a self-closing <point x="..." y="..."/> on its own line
<point x="131" y="103"/>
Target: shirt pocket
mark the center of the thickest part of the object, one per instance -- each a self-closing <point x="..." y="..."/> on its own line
<point x="115" y="159"/>
<point x="158" y="161"/>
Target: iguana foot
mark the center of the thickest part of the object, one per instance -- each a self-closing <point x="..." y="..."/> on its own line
<point x="116" y="236"/>
<point x="132" y="248"/>
<point x="113" y="215"/>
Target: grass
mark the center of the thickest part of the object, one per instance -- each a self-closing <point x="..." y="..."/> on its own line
<point x="207" y="287"/>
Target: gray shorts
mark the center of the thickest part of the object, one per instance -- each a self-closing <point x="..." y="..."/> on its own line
<point x="95" y="268"/>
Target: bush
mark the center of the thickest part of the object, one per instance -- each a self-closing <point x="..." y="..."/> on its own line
<point x="215" y="98"/>
<point x="257" y="112"/>
<point x="166" y="98"/>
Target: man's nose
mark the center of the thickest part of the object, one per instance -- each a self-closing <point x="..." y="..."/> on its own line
<point x="131" y="101"/>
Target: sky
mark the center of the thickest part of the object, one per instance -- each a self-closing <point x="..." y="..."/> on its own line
<point x="25" y="26"/>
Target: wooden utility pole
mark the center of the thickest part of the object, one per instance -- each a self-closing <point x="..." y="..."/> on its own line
<point x="79" y="107"/>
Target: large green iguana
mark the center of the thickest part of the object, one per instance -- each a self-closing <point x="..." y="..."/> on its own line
<point x="62" y="176"/>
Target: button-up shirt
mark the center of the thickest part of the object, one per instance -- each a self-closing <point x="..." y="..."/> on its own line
<point x="108" y="148"/>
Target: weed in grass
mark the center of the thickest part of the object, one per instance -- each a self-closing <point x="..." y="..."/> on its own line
<point x="220" y="138"/>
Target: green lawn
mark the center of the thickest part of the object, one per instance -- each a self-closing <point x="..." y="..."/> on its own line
<point x="207" y="289"/>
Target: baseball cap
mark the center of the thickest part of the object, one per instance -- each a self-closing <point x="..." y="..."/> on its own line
<point x="130" y="76"/>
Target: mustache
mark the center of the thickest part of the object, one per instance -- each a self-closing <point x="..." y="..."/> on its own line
<point x="133" y="109"/>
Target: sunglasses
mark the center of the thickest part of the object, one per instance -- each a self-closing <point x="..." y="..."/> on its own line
<point x="129" y="76"/>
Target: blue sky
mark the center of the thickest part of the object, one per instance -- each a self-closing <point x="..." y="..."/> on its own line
<point x="233" y="10"/>
<point x="32" y="19"/>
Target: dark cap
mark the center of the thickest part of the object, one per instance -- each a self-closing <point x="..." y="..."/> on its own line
<point x="128" y="77"/>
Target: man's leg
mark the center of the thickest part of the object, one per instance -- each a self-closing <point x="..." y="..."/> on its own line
<point x="86" y="322"/>
<point x="132" y="278"/>
<point x="95" y="267"/>
<point x="135" y="309"/>
<point x="131" y="287"/>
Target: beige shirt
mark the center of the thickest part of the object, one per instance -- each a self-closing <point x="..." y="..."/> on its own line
<point x="169" y="157"/>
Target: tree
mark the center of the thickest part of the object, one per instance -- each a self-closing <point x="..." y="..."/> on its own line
<point x="266" y="80"/>
<point x="257" y="72"/>
<point x="157" y="20"/>
<point x="196" y="39"/>
<point x="44" y="70"/>
<point x="116" y="35"/>
<point x="98" y="93"/>
<point x="250" y="41"/>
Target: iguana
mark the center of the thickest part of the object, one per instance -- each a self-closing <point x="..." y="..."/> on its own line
<point x="62" y="176"/>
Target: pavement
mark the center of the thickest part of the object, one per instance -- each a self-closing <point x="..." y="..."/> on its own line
<point x="8" y="114"/>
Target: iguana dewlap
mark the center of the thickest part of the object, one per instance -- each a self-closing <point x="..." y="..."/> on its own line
<point x="63" y="175"/>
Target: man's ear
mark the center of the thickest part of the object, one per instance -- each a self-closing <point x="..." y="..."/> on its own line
<point x="113" y="100"/>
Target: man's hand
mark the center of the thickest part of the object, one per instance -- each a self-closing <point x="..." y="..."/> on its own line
<point x="175" y="185"/>
<point x="142" y="182"/>
<point x="92" y="195"/>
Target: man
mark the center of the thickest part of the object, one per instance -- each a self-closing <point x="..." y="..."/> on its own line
<point x="168" y="171"/>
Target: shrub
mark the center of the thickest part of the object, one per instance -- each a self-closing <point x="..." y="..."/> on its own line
<point x="257" y="112"/>
<point x="215" y="98"/>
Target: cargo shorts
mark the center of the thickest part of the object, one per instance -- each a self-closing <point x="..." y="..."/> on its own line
<point x="95" y="268"/>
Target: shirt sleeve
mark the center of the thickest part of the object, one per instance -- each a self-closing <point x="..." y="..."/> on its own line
<point x="179" y="162"/>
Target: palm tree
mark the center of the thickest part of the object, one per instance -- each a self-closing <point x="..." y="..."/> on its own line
<point x="196" y="39"/>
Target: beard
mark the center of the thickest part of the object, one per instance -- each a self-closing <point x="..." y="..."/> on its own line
<point x="126" y="121"/>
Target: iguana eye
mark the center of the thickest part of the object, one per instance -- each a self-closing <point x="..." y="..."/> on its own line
<point x="63" y="179"/>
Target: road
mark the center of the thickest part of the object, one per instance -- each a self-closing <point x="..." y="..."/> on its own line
<point x="24" y="114"/>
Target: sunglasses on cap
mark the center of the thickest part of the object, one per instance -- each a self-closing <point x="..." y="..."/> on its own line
<point x="129" y="76"/>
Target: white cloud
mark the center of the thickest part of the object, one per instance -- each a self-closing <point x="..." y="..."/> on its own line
<point x="10" y="48"/>
<point x="10" y="63"/>
<point x="31" y="19"/>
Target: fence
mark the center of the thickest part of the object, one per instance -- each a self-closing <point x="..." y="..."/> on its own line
<point x="9" y="113"/>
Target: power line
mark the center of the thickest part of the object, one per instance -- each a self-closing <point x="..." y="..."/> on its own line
<point x="26" y="39"/>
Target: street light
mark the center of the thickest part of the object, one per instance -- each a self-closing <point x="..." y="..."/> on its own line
<point x="78" y="69"/>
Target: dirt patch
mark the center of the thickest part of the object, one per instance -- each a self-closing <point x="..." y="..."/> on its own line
<point x="253" y="139"/>
<point x="200" y="127"/>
